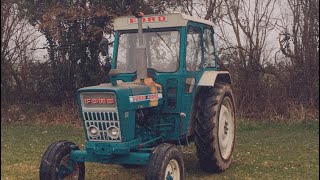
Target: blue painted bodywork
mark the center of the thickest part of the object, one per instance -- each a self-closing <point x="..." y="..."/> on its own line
<point x="165" y="123"/>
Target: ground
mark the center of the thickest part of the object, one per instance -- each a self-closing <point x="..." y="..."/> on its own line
<point x="264" y="150"/>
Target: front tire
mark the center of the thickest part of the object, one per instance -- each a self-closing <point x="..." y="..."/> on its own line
<point x="215" y="127"/>
<point x="55" y="161"/>
<point x="166" y="163"/>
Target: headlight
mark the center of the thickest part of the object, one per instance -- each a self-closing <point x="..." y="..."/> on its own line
<point x="93" y="131"/>
<point x="113" y="132"/>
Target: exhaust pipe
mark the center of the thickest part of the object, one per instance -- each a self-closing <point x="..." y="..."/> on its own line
<point x="140" y="54"/>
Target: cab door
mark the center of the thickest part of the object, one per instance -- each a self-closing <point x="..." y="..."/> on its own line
<point x="193" y="68"/>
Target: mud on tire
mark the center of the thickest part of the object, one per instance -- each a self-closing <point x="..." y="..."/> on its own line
<point x="215" y="117"/>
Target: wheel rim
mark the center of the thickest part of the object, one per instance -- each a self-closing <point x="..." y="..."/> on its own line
<point x="172" y="170"/>
<point x="226" y="128"/>
<point x="64" y="163"/>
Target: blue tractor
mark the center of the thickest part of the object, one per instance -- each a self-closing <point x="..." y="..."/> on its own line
<point x="166" y="90"/>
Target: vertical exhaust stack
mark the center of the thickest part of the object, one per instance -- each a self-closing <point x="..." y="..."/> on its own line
<point x="140" y="54"/>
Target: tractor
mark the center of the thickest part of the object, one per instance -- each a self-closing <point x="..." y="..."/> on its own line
<point x="166" y="90"/>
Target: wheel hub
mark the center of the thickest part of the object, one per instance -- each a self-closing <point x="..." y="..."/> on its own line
<point x="64" y="172"/>
<point x="226" y="128"/>
<point x="172" y="170"/>
<point x="169" y="176"/>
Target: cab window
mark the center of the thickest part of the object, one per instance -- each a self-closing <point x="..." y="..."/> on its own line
<point x="194" y="49"/>
<point x="209" y="50"/>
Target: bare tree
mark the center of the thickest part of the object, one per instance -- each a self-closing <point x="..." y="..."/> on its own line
<point x="245" y="31"/>
<point x="299" y="41"/>
<point x="16" y="38"/>
<point x="207" y="9"/>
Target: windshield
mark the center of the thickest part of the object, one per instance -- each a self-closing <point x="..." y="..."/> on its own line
<point x="162" y="49"/>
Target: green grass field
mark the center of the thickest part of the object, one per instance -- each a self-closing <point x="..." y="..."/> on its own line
<point x="263" y="151"/>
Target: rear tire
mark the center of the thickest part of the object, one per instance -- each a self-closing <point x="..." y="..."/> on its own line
<point x="56" y="157"/>
<point x="215" y="127"/>
<point x="165" y="163"/>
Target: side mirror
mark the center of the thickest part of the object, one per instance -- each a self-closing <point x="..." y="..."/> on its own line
<point x="103" y="45"/>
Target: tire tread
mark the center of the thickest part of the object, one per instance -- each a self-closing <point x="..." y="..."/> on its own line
<point x="208" y="102"/>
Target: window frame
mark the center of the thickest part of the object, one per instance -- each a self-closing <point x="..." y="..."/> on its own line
<point x="215" y="57"/>
<point x="200" y="26"/>
<point x="117" y="40"/>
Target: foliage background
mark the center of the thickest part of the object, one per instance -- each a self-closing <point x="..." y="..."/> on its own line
<point x="277" y="80"/>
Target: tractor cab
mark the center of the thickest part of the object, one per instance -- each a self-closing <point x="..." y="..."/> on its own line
<point x="178" y="50"/>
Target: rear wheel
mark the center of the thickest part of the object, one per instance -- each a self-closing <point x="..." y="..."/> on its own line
<point x="165" y="163"/>
<point x="215" y="127"/>
<point x="56" y="160"/>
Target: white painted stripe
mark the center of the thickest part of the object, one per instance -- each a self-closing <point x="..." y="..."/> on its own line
<point x="159" y="95"/>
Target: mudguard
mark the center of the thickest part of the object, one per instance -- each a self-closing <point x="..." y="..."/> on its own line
<point x="209" y="78"/>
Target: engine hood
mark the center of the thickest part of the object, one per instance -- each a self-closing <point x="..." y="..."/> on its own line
<point x="125" y="96"/>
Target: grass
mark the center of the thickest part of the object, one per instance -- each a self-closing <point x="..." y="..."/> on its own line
<point x="263" y="151"/>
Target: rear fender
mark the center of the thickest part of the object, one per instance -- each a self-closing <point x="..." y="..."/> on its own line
<point x="208" y="79"/>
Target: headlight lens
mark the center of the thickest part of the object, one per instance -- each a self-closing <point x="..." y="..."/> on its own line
<point x="93" y="131"/>
<point x="113" y="132"/>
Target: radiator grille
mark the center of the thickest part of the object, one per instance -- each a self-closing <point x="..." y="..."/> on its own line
<point x="102" y="121"/>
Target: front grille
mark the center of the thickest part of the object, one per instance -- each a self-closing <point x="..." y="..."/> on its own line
<point x="102" y="121"/>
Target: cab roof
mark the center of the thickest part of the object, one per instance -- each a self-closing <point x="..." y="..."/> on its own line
<point x="157" y="21"/>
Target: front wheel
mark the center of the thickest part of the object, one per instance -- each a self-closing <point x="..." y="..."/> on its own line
<point x="166" y="163"/>
<point x="56" y="160"/>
